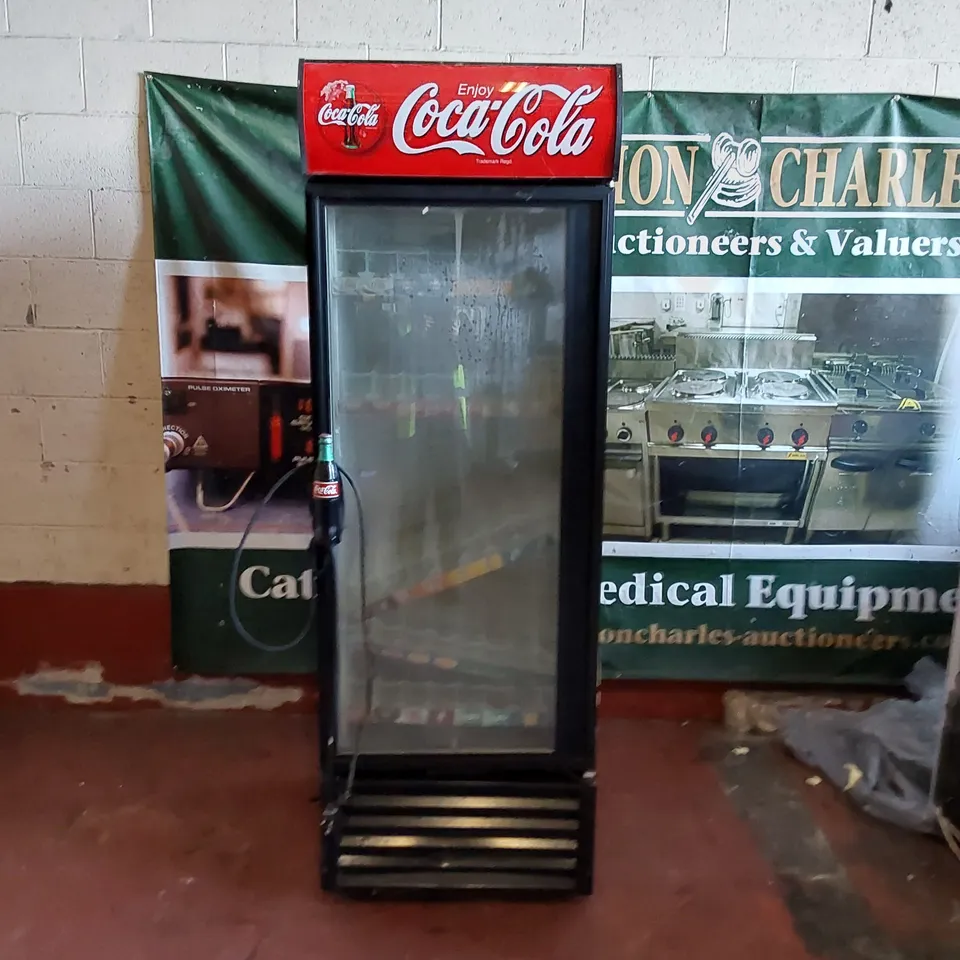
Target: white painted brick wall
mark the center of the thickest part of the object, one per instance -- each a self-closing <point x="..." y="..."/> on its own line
<point x="402" y="23"/>
<point x="80" y="494"/>
<point x="122" y="225"/>
<point x="665" y="27"/>
<point x="9" y="150"/>
<point x="45" y="222"/>
<point x="636" y="70"/>
<point x="948" y="80"/>
<point x="83" y="151"/>
<point x="112" y="69"/>
<point x="51" y="363"/>
<point x="920" y="29"/>
<point x="79" y="18"/>
<point x="40" y="76"/>
<point x="451" y="54"/>
<point x="94" y="294"/>
<point x="723" y="74"/>
<point x="81" y="486"/>
<point x="255" y="63"/>
<point x="242" y="21"/>
<point x="497" y="24"/>
<point x="111" y="554"/>
<point x="16" y="298"/>
<point x="129" y="359"/>
<point x="865" y="76"/>
<point x="813" y="28"/>
<point x="89" y="430"/>
<point x="20" y="429"/>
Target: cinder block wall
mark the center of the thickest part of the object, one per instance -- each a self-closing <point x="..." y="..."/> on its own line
<point x="81" y="487"/>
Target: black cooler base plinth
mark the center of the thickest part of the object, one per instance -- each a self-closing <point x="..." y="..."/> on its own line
<point x="431" y="838"/>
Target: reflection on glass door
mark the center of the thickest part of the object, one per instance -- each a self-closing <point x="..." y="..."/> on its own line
<point x="446" y="350"/>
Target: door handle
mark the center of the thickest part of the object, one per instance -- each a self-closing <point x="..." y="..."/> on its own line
<point x="623" y="466"/>
<point x="916" y="466"/>
<point x="854" y="463"/>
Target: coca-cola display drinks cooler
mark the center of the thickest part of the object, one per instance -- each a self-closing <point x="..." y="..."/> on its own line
<point x="460" y="222"/>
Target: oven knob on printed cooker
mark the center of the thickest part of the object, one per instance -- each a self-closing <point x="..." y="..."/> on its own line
<point x="928" y="429"/>
<point x="675" y="433"/>
<point x="859" y="427"/>
<point x="624" y="434"/>
<point x="764" y="436"/>
<point x="799" y="437"/>
<point x="709" y="435"/>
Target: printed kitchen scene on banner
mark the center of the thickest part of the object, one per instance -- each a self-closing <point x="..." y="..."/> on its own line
<point x="785" y="418"/>
<point x="809" y="401"/>
<point x="782" y="497"/>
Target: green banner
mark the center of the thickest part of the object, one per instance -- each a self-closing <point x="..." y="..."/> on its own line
<point x="225" y="172"/>
<point x="273" y="602"/>
<point x="794" y="519"/>
<point x="839" y="187"/>
<point x="730" y="619"/>
<point x="736" y="619"/>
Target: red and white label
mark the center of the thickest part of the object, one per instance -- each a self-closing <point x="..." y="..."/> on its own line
<point x="459" y="120"/>
<point x="326" y="489"/>
<point x="349" y="117"/>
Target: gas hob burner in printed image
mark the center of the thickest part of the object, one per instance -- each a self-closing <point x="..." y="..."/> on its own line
<point x="699" y="383"/>
<point x="781" y="385"/>
<point x="698" y="388"/>
<point x="780" y="376"/>
<point x="703" y="375"/>
<point x="626" y="394"/>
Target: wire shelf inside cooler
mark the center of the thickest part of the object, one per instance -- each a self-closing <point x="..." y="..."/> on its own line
<point x="462" y="670"/>
<point x="431" y="695"/>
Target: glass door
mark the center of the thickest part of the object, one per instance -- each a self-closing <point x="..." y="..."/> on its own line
<point x="446" y="339"/>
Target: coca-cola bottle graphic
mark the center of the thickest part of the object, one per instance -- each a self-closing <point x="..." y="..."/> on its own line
<point x="350" y="141"/>
<point x="327" y="495"/>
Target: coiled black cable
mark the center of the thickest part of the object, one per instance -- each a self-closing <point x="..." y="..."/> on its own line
<point x="331" y="813"/>
<point x="235" y="576"/>
<point x="238" y="554"/>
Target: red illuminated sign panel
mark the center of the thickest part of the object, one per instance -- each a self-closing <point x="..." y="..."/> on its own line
<point x="503" y="121"/>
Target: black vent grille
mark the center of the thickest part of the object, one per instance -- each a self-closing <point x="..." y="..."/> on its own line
<point x="405" y="838"/>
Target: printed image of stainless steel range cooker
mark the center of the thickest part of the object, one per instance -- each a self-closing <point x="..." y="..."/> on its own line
<point x="883" y="445"/>
<point x="639" y="361"/>
<point x="738" y="434"/>
<point x="833" y="420"/>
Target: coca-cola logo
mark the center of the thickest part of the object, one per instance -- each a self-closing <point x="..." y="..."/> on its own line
<point x="350" y="116"/>
<point x="326" y="489"/>
<point x="529" y="117"/>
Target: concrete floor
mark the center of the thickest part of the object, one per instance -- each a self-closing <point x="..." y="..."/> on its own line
<point x="158" y="834"/>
